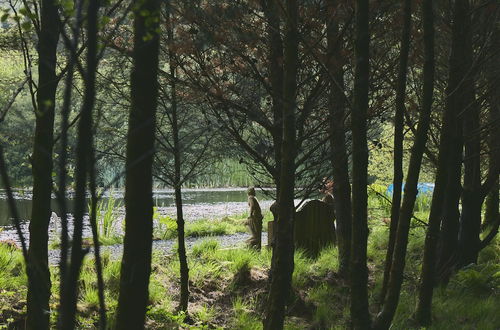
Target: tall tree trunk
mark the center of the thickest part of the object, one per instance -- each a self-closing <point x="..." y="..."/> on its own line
<point x="448" y="239"/>
<point x="385" y="317"/>
<point x="339" y="158"/>
<point x="38" y="275"/>
<point x="452" y="109"/>
<point x="492" y="200"/>
<point x="358" y="269"/>
<point x="470" y="220"/>
<point x="136" y="261"/>
<point x="83" y="168"/>
<point x="181" y="250"/>
<point x="398" y="141"/>
<point x="282" y="260"/>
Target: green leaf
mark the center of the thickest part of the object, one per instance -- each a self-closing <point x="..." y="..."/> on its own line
<point x="4" y="17"/>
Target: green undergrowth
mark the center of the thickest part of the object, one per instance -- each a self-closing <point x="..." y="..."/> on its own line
<point x="228" y="288"/>
<point x="166" y="227"/>
<point x="12" y="284"/>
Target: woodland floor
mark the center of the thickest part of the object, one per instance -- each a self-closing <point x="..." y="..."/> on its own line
<point x="229" y="286"/>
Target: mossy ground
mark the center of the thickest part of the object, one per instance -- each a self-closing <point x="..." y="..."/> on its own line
<point x="229" y="287"/>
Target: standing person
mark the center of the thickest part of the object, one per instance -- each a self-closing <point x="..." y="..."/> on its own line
<point x="254" y="221"/>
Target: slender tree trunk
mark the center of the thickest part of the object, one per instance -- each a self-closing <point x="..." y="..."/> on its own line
<point x="492" y="200"/>
<point x="470" y="220"/>
<point x="398" y="141"/>
<point x="385" y="317"/>
<point x="83" y="166"/>
<point x="63" y="154"/>
<point x="358" y="269"/>
<point x="136" y="261"/>
<point x="448" y="239"/>
<point x="39" y="276"/>
<point x="181" y="250"/>
<point x="339" y="158"/>
<point x="282" y="260"/>
<point x="452" y="109"/>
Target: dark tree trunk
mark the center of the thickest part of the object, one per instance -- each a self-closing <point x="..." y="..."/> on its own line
<point x="448" y="239"/>
<point x="339" y="158"/>
<point x="282" y="260"/>
<point x="398" y="141"/>
<point x="452" y="109"/>
<point x="181" y="250"/>
<point x="492" y="200"/>
<point x="83" y="168"/>
<point x="470" y="220"/>
<point x="136" y="261"/>
<point x="385" y="317"/>
<point x="358" y="269"/>
<point x="39" y="276"/>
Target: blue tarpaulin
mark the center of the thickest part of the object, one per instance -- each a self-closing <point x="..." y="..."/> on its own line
<point x="422" y="187"/>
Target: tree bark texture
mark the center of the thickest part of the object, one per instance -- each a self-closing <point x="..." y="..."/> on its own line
<point x="448" y="239"/>
<point x="470" y="220"/>
<point x="492" y="200"/>
<point x="337" y="114"/>
<point x="358" y="269"/>
<point x="282" y="260"/>
<point x="136" y="261"/>
<point x="83" y="168"/>
<point x="39" y="284"/>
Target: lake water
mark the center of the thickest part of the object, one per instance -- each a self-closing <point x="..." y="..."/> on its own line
<point x="223" y="200"/>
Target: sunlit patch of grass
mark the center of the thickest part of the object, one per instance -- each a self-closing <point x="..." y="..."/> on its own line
<point x="243" y="316"/>
<point x="378" y="241"/>
<point x="107" y="220"/>
<point x="204" y="315"/>
<point x="207" y="246"/>
<point x="210" y="228"/>
<point x="12" y="270"/>
<point x="238" y="258"/>
<point x="327" y="261"/>
<point x="13" y="285"/>
<point x="204" y="271"/>
<point x="301" y="269"/>
<point x="167" y="227"/>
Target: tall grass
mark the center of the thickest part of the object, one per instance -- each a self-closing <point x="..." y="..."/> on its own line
<point x="166" y="226"/>
<point x="107" y="220"/>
